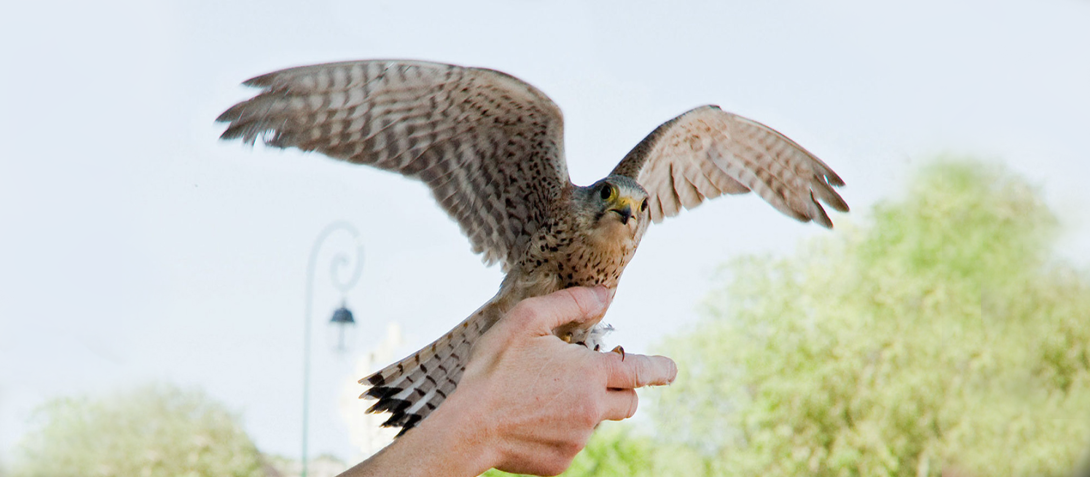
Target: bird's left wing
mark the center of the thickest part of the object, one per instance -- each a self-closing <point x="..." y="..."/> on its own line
<point x="707" y="152"/>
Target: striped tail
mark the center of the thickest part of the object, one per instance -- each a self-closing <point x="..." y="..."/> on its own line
<point x="412" y="388"/>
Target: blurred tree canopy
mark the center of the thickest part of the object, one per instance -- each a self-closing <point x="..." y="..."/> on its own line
<point x="617" y="450"/>
<point x="941" y="337"/>
<point x="151" y="431"/>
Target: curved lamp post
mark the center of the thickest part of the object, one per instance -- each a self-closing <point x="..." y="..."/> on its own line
<point x="341" y="318"/>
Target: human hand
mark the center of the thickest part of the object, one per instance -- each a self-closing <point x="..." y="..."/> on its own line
<point x="534" y="400"/>
<point x="527" y="401"/>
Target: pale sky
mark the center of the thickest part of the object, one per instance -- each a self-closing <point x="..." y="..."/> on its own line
<point x="136" y="247"/>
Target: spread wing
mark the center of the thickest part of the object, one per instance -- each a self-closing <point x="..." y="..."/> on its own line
<point x="707" y="152"/>
<point x="488" y="145"/>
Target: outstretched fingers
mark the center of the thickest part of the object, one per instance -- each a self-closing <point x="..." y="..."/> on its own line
<point x="620" y="404"/>
<point x="636" y="371"/>
<point x="627" y="373"/>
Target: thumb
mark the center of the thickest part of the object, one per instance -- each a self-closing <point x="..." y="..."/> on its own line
<point x="577" y="304"/>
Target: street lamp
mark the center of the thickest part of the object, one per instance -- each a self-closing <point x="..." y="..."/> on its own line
<point x="342" y="318"/>
<point x="344" y="323"/>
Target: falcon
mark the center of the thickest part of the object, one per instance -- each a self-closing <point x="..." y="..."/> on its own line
<point x="490" y="147"/>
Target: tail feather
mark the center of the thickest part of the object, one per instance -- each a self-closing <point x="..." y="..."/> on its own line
<point x="412" y="388"/>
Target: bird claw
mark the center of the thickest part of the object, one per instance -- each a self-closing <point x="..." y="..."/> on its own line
<point x="619" y="350"/>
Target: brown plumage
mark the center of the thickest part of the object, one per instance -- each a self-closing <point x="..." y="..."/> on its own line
<point x="490" y="148"/>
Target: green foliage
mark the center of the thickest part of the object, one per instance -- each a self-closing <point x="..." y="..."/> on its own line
<point x="939" y="337"/>
<point x="616" y="450"/>
<point x="148" y="432"/>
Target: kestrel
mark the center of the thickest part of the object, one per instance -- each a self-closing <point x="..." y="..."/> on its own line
<point x="490" y="147"/>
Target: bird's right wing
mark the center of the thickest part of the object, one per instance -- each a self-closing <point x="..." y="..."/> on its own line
<point x="488" y="145"/>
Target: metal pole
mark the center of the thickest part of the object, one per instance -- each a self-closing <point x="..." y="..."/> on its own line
<point x="339" y="260"/>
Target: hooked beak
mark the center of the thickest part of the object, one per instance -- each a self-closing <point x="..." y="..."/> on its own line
<point x="625" y="213"/>
<point x="625" y="210"/>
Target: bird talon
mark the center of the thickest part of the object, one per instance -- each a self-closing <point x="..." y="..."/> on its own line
<point x="619" y="350"/>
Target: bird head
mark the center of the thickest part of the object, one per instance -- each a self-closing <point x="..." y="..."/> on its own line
<point x="617" y="208"/>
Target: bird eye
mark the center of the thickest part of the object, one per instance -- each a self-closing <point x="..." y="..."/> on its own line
<point x="643" y="205"/>
<point x="607" y="192"/>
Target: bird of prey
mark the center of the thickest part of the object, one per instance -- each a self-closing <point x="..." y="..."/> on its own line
<point x="490" y="147"/>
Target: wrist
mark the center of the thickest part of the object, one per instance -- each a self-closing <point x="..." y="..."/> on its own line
<point x="460" y="436"/>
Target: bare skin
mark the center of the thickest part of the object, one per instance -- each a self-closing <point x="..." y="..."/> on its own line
<point x="528" y="402"/>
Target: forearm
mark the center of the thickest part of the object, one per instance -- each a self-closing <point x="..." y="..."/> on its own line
<point x="445" y="443"/>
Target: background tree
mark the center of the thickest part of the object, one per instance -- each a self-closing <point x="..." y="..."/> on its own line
<point x="941" y="336"/>
<point x="617" y="449"/>
<point x="148" y="432"/>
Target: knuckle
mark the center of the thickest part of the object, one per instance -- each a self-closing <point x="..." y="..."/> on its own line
<point x="581" y="298"/>
<point x="525" y="311"/>
<point x="587" y="415"/>
<point x="570" y="448"/>
<point x="639" y="371"/>
<point x="620" y="371"/>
